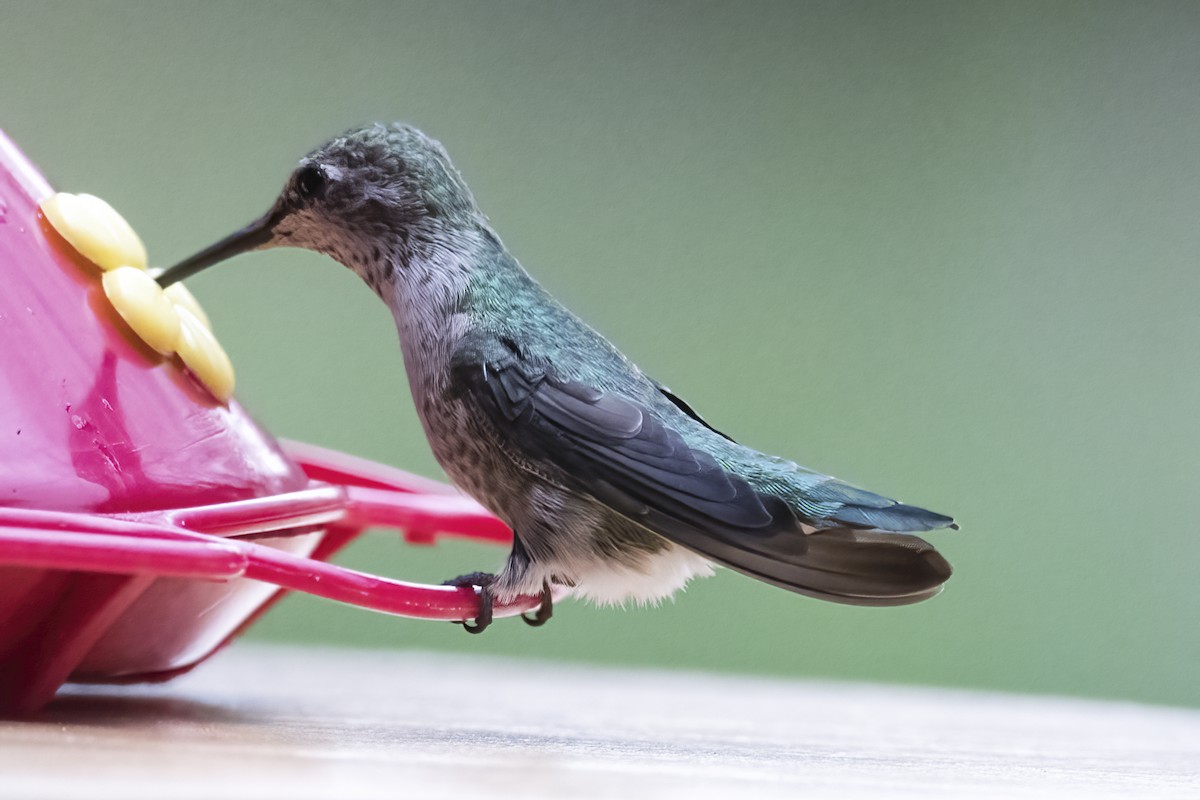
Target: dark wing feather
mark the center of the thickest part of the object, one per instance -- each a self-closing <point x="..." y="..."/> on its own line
<point x="682" y="405"/>
<point x="614" y="449"/>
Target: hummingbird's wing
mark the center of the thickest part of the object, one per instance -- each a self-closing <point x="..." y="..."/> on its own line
<point x="612" y="448"/>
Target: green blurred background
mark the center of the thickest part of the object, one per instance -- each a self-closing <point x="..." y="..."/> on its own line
<point x="946" y="251"/>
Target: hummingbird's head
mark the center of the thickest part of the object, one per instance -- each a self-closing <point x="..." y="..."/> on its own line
<point x="362" y="198"/>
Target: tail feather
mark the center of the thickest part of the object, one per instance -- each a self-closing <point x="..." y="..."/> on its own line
<point x="865" y="568"/>
<point x="842" y="565"/>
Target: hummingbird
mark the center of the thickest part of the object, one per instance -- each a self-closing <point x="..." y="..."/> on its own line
<point x="614" y="487"/>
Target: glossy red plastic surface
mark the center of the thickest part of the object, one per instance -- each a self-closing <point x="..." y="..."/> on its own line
<point x="91" y="419"/>
<point x="142" y="523"/>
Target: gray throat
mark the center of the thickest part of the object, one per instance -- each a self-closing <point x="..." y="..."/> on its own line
<point x="426" y="296"/>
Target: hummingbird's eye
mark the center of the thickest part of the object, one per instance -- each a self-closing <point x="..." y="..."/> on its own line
<point x="310" y="181"/>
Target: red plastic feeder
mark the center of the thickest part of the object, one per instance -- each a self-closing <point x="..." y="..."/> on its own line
<point x="143" y="524"/>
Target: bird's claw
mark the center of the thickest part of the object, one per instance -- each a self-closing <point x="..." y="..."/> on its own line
<point x="545" y="610"/>
<point x="487" y="597"/>
<point x="484" y="581"/>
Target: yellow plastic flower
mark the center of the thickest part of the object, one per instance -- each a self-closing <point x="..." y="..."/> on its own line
<point x="170" y="321"/>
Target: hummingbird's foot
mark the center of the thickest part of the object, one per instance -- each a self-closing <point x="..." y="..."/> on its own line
<point x="545" y="610"/>
<point x="484" y="581"/>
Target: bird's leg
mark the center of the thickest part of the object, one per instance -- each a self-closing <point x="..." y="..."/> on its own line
<point x="484" y="581"/>
<point x="545" y="610"/>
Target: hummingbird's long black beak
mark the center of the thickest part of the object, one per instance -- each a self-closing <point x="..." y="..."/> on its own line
<point x="254" y="235"/>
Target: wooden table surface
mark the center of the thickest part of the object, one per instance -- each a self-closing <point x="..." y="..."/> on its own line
<point x="298" y="723"/>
